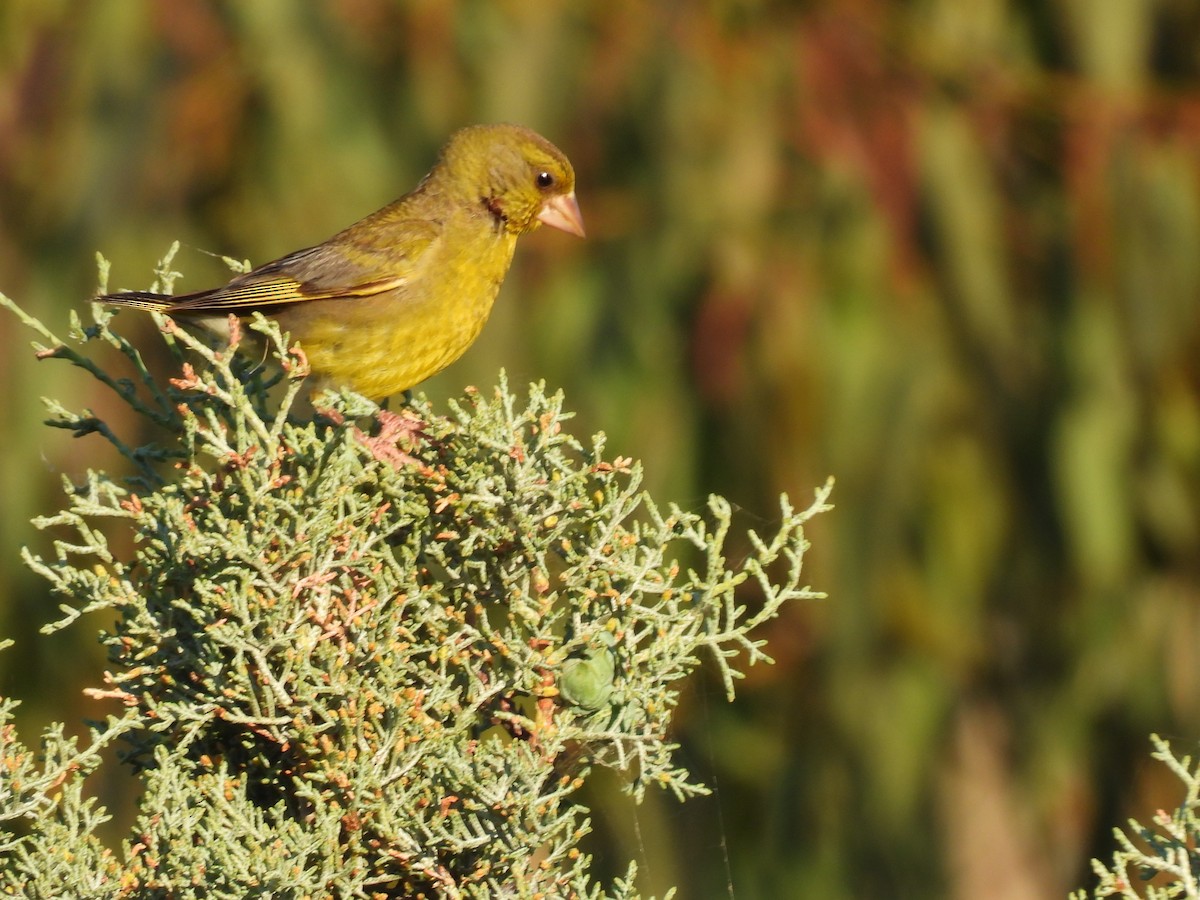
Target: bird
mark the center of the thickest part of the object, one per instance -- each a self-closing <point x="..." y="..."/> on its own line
<point x="398" y="296"/>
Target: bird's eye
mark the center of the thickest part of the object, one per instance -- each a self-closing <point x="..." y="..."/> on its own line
<point x="544" y="180"/>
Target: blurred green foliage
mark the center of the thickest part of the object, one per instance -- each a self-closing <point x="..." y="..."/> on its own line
<point x="947" y="252"/>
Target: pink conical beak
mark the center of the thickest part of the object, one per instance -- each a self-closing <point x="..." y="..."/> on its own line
<point x="563" y="212"/>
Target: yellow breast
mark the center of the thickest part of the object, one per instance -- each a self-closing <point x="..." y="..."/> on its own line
<point x="385" y="344"/>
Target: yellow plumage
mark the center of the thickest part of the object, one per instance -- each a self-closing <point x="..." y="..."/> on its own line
<point x="401" y="294"/>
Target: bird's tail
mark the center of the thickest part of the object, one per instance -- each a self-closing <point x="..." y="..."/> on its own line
<point x="138" y="300"/>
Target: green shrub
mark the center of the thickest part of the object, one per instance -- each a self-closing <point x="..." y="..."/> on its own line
<point x="362" y="652"/>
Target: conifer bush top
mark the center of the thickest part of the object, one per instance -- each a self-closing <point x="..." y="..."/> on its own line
<point x="361" y="652"/>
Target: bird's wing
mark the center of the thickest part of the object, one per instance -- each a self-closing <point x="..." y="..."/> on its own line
<point x="334" y="270"/>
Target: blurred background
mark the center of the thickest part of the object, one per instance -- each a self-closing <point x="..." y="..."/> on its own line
<point x="947" y="252"/>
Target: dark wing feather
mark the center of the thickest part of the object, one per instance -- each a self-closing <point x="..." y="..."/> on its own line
<point x="335" y="270"/>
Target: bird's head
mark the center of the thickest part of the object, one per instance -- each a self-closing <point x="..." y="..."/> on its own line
<point x="517" y="175"/>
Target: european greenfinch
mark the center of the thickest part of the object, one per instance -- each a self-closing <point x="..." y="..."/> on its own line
<point x="401" y="294"/>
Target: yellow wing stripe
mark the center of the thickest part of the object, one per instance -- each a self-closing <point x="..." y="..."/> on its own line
<point x="274" y="292"/>
<point x="136" y="300"/>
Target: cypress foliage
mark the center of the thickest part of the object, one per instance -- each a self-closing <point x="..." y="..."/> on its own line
<point x="1158" y="861"/>
<point x="361" y="652"/>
